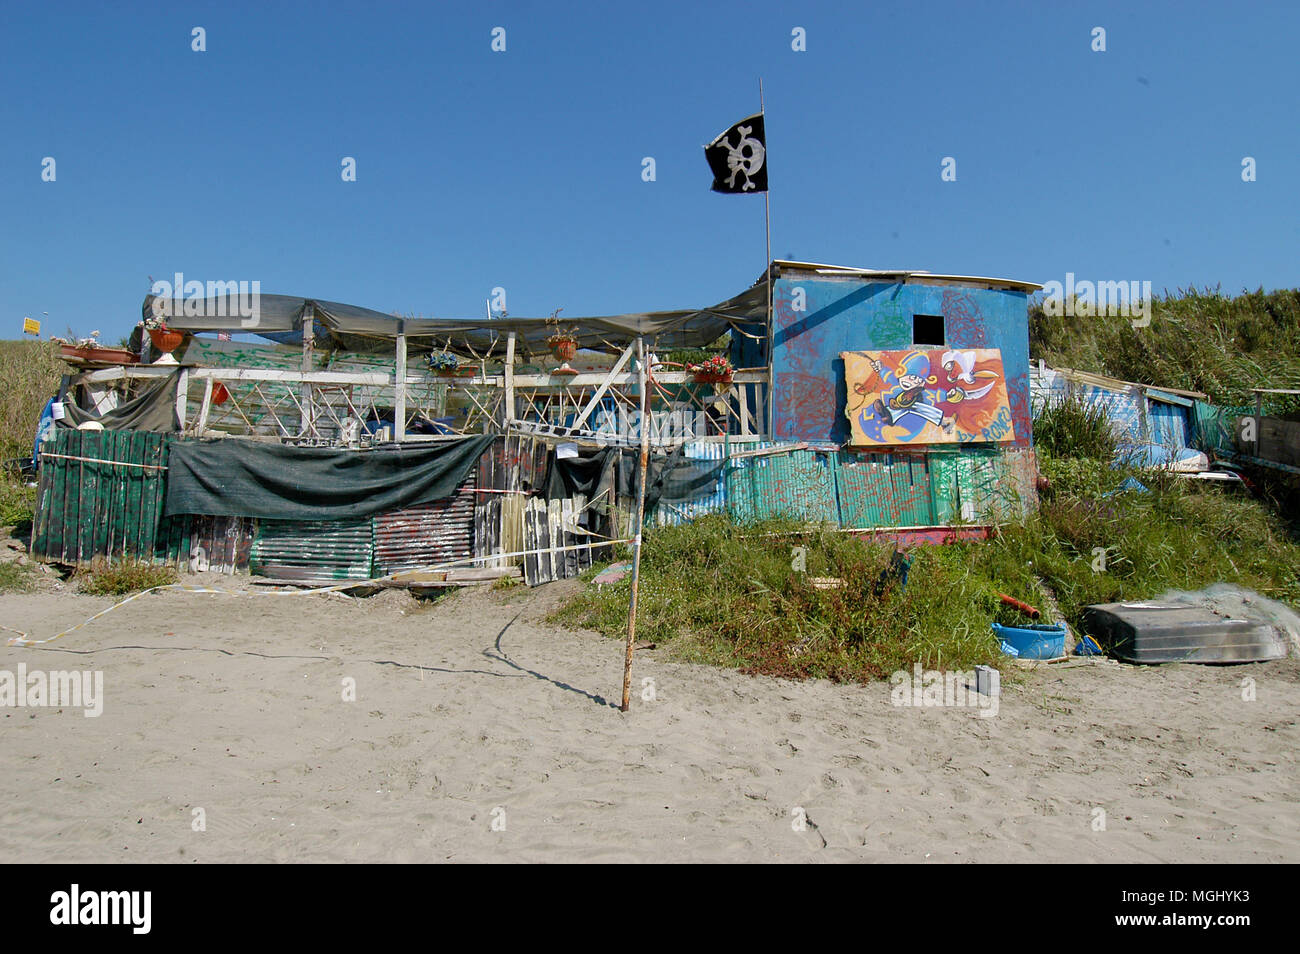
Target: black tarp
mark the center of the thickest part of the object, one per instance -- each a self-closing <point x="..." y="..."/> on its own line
<point x="670" y="478"/>
<point x="280" y="482"/>
<point x="353" y="328"/>
<point x="152" y="410"/>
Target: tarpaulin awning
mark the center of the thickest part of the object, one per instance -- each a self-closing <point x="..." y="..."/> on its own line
<point x="154" y="410"/>
<point x="353" y="328"/>
<point x="281" y="482"/>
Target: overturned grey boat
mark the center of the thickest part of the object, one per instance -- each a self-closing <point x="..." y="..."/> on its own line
<point x="1164" y="632"/>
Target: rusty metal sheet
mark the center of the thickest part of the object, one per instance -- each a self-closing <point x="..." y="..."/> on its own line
<point x="441" y="531"/>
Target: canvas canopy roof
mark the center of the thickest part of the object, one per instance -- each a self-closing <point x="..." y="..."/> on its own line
<point x="353" y="328"/>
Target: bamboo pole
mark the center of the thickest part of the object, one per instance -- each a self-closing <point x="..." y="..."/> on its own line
<point x="643" y="424"/>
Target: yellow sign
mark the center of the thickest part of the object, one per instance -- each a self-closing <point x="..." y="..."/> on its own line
<point x="31" y="327"/>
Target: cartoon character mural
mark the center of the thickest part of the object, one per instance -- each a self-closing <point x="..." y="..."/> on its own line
<point x="939" y="396"/>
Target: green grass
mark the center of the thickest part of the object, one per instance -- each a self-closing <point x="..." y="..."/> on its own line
<point x="17" y="502"/>
<point x="1076" y="428"/>
<point x="29" y="372"/>
<point x="16" y="579"/>
<point x="123" y="578"/>
<point x="723" y="594"/>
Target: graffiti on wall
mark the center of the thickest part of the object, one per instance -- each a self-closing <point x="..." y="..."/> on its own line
<point x="927" y="396"/>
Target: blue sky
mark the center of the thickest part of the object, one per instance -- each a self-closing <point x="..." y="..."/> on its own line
<point x="523" y="169"/>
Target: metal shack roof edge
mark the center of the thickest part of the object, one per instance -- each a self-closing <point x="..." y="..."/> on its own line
<point x="899" y="276"/>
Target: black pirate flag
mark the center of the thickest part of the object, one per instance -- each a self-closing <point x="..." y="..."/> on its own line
<point x="738" y="158"/>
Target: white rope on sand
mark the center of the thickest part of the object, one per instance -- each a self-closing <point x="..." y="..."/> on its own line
<point x="22" y="640"/>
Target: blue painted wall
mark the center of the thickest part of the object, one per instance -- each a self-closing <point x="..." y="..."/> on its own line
<point x="857" y="315"/>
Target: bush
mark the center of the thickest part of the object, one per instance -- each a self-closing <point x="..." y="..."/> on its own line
<point x="1075" y="428"/>
<point x="123" y="578"/>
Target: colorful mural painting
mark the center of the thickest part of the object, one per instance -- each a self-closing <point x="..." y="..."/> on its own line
<point x="930" y="396"/>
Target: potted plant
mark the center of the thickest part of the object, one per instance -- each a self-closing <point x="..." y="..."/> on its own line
<point x="715" y="370"/>
<point x="165" y="339"/>
<point x="89" y="349"/>
<point x="563" y="343"/>
<point x="442" y="362"/>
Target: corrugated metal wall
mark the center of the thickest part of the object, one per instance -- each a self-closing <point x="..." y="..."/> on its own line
<point x="199" y="544"/>
<point x="797" y="485"/>
<point x="884" y="490"/>
<point x="309" y="551"/>
<point x="671" y="515"/>
<point x="1168" y="424"/>
<point x="99" y="496"/>
<point x="437" y="532"/>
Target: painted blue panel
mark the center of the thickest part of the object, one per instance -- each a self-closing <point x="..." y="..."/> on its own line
<point x="816" y="319"/>
<point x="1168" y="423"/>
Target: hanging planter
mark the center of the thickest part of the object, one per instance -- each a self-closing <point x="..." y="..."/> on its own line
<point x="165" y="340"/>
<point x="716" y="370"/>
<point x="563" y="346"/>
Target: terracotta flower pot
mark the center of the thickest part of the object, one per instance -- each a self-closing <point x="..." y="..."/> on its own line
<point x="166" y="341"/>
<point x="564" y="350"/>
<point x="101" y="355"/>
<point x="706" y="377"/>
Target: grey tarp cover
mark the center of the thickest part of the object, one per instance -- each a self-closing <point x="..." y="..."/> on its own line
<point x="153" y="410"/>
<point x="353" y="328"/>
<point x="276" y="481"/>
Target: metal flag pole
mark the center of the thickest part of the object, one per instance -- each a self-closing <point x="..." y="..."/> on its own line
<point x="767" y="274"/>
<point x="639" y="516"/>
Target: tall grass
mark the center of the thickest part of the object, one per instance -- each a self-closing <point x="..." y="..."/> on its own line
<point x="1198" y="339"/>
<point x="1075" y="427"/>
<point x="30" y="372"/>
<point x="720" y="593"/>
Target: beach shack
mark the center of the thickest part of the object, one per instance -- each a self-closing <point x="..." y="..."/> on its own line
<point x="312" y="441"/>
<point x="909" y="391"/>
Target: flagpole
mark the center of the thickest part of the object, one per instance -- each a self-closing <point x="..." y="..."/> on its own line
<point x="767" y="274"/>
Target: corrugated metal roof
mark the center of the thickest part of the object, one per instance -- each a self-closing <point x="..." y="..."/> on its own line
<point x="904" y="276"/>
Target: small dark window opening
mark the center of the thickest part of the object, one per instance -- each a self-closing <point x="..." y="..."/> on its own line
<point x="927" y="330"/>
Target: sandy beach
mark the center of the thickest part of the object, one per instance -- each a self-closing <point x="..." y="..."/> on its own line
<point x="481" y="732"/>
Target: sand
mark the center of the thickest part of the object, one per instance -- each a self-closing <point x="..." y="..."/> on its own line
<point x="481" y="732"/>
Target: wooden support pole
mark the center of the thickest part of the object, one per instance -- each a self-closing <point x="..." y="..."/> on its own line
<point x="205" y="408"/>
<point x="182" y="397"/>
<point x="604" y="386"/>
<point x="399" y="391"/>
<point x="510" y="378"/>
<point x="308" y="346"/>
<point x="639" y="517"/>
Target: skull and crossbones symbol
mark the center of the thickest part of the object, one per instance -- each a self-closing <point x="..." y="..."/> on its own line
<point x="745" y="158"/>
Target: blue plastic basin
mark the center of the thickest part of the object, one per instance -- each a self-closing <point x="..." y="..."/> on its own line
<point x="1032" y="641"/>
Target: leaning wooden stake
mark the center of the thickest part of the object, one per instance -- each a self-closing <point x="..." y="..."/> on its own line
<point x="639" y="517"/>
